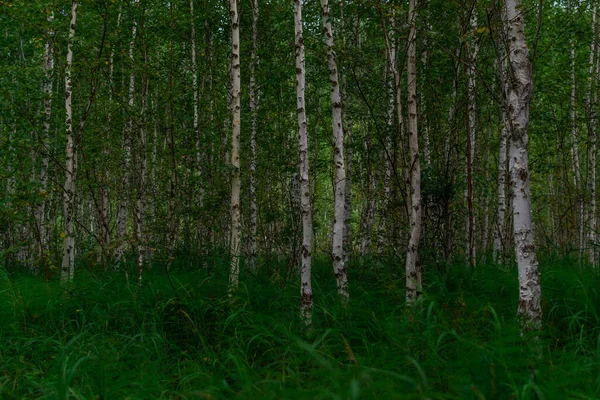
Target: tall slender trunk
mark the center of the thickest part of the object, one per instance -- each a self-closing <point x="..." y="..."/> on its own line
<point x="67" y="270"/>
<point x="252" y="248"/>
<point x="575" y="150"/>
<point x="413" y="269"/>
<point x="234" y="275"/>
<point x="339" y="267"/>
<point x="141" y="195"/>
<point x="172" y="214"/>
<point x="500" y="238"/>
<point x="520" y="88"/>
<point x="306" y="296"/>
<point x="591" y="100"/>
<point x="471" y="115"/>
<point x="126" y="143"/>
<point x="40" y="212"/>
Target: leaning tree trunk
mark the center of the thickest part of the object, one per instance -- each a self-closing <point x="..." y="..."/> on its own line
<point x="235" y="230"/>
<point x="306" y="296"/>
<point x="413" y="269"/>
<point x="339" y="267"/>
<point x="67" y="269"/>
<point x="518" y="98"/>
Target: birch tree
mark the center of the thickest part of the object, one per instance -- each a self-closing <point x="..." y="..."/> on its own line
<point x="339" y="267"/>
<point x="519" y="82"/>
<point x="235" y="229"/>
<point x="68" y="257"/>
<point x="306" y="296"/>
<point x="591" y="100"/>
<point x="413" y="269"/>
<point x="48" y="66"/>
<point x="254" y="120"/>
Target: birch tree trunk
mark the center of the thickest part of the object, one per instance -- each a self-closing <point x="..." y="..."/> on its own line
<point x="591" y="99"/>
<point x="126" y="143"/>
<point x="254" y="120"/>
<point x="141" y="195"/>
<point x="306" y="296"/>
<point x="471" y="131"/>
<point x="339" y="267"/>
<point x="235" y="229"/>
<point x="520" y="88"/>
<point x="48" y="66"/>
<point x="67" y="270"/>
<point x="413" y="269"/>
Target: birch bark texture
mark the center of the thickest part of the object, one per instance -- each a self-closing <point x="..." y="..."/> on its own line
<point x="234" y="250"/>
<point x="518" y="98"/>
<point x="48" y="66"/>
<point x="252" y="246"/>
<point x="67" y="270"/>
<point x="306" y="295"/>
<point x="339" y="268"/>
<point x="591" y="102"/>
<point x="413" y="269"/>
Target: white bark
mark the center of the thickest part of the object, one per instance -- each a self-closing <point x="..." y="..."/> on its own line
<point x="67" y="270"/>
<point x="235" y="150"/>
<point x="519" y="90"/>
<point x="591" y="100"/>
<point x="48" y="66"/>
<point x="306" y="296"/>
<point x="413" y="269"/>
<point x="471" y="131"/>
<point x="252" y="248"/>
<point x="126" y="143"/>
<point x="339" y="267"/>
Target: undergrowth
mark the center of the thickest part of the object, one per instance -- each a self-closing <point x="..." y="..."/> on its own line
<point x="106" y="338"/>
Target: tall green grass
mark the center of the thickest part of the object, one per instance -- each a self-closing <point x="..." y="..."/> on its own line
<point x="108" y="339"/>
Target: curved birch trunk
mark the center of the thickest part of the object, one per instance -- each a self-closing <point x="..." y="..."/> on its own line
<point x="519" y="90"/>
<point x="339" y="267"/>
<point x="306" y="296"/>
<point x="235" y="230"/>
<point x="67" y="270"/>
<point x="413" y="269"/>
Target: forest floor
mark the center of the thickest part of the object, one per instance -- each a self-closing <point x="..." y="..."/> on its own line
<point x="107" y="339"/>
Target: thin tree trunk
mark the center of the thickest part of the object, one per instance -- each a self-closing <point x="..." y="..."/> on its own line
<point x="306" y="296"/>
<point x="252" y="248"/>
<point x="500" y="237"/>
<point x="471" y="131"/>
<point x="339" y="267"/>
<point x="235" y="230"/>
<point x="126" y="143"/>
<point x="141" y="195"/>
<point x="369" y="212"/>
<point x="40" y="212"/>
<point x="520" y="88"/>
<point x="591" y="99"/>
<point x="68" y="257"/>
<point x="413" y="269"/>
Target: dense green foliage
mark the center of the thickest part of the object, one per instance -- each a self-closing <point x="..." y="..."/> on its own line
<point x="109" y="339"/>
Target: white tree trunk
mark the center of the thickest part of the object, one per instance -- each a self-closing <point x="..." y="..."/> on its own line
<point x="67" y="270"/>
<point x="471" y="132"/>
<point x="126" y="143"/>
<point x="40" y="212"/>
<point x="520" y="88"/>
<point x="306" y="296"/>
<point x="339" y="267"/>
<point x="252" y="247"/>
<point x="235" y="230"/>
<point x="413" y="269"/>
<point x="591" y="100"/>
